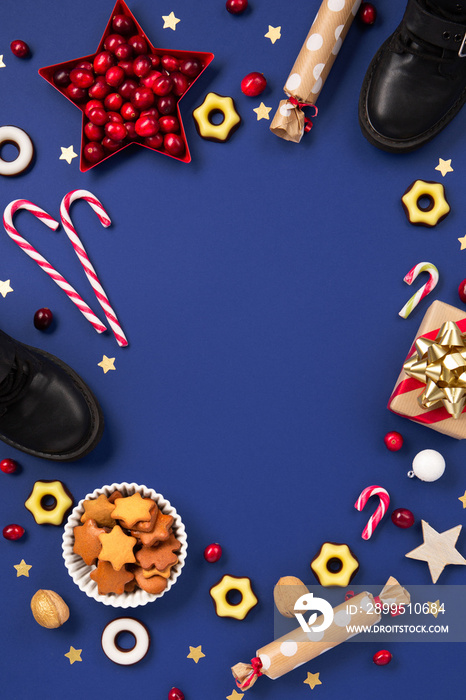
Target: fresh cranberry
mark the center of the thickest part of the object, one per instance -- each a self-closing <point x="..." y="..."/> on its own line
<point x="151" y="112"/>
<point x="367" y="13"/>
<point x="123" y="52"/>
<point x="98" y="116"/>
<point x="127" y="88"/>
<point x="175" y="694"/>
<point x="170" y="63"/>
<point x="8" y="466"/>
<point x="155" y="60"/>
<point x="235" y="7"/>
<point x="150" y="78"/>
<point x="76" y="93"/>
<point x="110" y="144"/>
<point x="93" y="132"/>
<point x="180" y="83"/>
<point x="169" y="124"/>
<point x="43" y="319"/>
<point x="146" y="126"/>
<point x="138" y="44"/>
<point x="93" y="152"/>
<point x="191" y="67"/>
<point x="93" y="104"/>
<point x="123" y="24"/>
<point x="162" y="86"/>
<point x="167" y="104"/>
<point x="462" y="291"/>
<point x="130" y="130"/>
<point x="19" y="48"/>
<point x="142" y="98"/>
<point x="142" y="65"/>
<point x="115" y="131"/>
<point x="61" y="78"/>
<point x="112" y="41"/>
<point x="212" y="553"/>
<point x="113" y="101"/>
<point x="84" y="65"/>
<point x="115" y="76"/>
<point x="174" y="144"/>
<point x="13" y="532"/>
<point x="81" y="78"/>
<point x="127" y="66"/>
<point x="100" y="89"/>
<point x="103" y="61"/>
<point x="253" y="84"/>
<point x="402" y="517"/>
<point x="155" y="141"/>
<point x="128" y="112"/>
<point x="393" y="441"/>
<point x="115" y="117"/>
<point x="382" y="657"/>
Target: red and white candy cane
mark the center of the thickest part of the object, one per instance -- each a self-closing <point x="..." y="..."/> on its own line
<point x="91" y="274"/>
<point x="375" y="519"/>
<point x="41" y="261"/>
<point x="424" y="290"/>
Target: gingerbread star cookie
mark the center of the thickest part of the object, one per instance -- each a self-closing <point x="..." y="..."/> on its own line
<point x="110" y="581"/>
<point x="117" y="548"/>
<point x="147" y="525"/>
<point x="155" y="584"/>
<point x="86" y="541"/>
<point x="161" y="556"/>
<point x="159" y="533"/>
<point x="100" y="510"/>
<point x="132" y="510"/>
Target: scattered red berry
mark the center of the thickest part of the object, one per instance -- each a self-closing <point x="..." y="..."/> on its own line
<point x="253" y="84"/>
<point x="235" y="7"/>
<point x="382" y="657"/>
<point x="43" y="318"/>
<point x="19" y="48"/>
<point x="402" y="517"/>
<point x="175" y="694"/>
<point x="367" y="13"/>
<point x="393" y="441"/>
<point x="462" y="291"/>
<point x="212" y="553"/>
<point x="8" y="466"/>
<point x="13" y="532"/>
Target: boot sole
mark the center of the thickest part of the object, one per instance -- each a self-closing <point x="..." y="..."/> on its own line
<point x="97" y="424"/>
<point x="398" y="145"/>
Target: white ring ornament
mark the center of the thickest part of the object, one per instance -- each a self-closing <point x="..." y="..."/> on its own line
<point x="21" y="140"/>
<point x="125" y="657"/>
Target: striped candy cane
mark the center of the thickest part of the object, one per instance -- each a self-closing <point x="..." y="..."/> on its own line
<point x="41" y="261"/>
<point x="80" y="251"/>
<point x="375" y="519"/>
<point x="424" y="290"/>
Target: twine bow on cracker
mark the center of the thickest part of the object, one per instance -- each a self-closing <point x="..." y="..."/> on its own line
<point x="441" y="365"/>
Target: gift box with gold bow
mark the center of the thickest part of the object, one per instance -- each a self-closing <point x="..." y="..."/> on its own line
<point x="431" y="388"/>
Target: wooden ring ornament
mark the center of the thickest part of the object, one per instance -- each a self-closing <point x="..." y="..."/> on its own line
<point x="438" y="206"/>
<point x="22" y="141"/>
<point x="116" y="653"/>
<point x="216" y="104"/>
<point x="226" y="585"/>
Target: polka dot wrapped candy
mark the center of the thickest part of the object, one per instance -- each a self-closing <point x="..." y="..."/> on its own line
<point x="312" y="67"/>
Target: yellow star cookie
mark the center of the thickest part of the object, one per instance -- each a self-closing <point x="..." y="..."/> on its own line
<point x="132" y="509"/>
<point x="117" y="548"/>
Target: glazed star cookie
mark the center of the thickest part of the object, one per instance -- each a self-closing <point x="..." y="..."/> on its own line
<point x="161" y="556"/>
<point x="86" y="541"/>
<point x="158" y="533"/>
<point x="60" y="502"/>
<point x="109" y="580"/>
<point x="132" y="509"/>
<point x="100" y="510"/>
<point x="117" y="548"/>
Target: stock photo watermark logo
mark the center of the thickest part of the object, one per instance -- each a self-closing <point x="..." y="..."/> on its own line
<point x="306" y="603"/>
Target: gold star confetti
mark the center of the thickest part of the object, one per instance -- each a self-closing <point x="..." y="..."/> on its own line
<point x="107" y="363"/>
<point x="2" y="65"/>
<point x="444" y="166"/>
<point x="438" y="549"/>
<point x="273" y="34"/>
<point x="235" y="695"/>
<point x="170" y="21"/>
<point x="463" y="499"/>
<point x="463" y="242"/>
<point x="68" y="154"/>
<point x="5" y="288"/>
<point x="312" y="680"/>
<point x="22" y="569"/>
<point x="434" y="607"/>
<point x="195" y="653"/>
<point x="74" y="655"/>
<point x="262" y="111"/>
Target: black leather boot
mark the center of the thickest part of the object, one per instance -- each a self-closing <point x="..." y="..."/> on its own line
<point x="46" y="409"/>
<point x="416" y="82"/>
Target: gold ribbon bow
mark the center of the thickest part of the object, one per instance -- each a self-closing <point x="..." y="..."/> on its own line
<point x="441" y="365"/>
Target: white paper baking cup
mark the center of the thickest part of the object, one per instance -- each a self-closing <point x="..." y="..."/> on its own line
<point x="80" y="572"/>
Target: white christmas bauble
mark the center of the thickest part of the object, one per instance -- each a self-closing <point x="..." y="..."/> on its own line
<point x="428" y="465"/>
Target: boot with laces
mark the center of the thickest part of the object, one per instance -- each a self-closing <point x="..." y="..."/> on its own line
<point x="46" y="409"/>
<point x="416" y="82"/>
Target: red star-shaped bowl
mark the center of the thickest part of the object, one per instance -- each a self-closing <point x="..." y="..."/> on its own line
<point x="182" y="68"/>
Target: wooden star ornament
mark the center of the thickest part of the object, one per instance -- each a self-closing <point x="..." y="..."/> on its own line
<point x="121" y="8"/>
<point x="438" y="549"/>
<point x="195" y="653"/>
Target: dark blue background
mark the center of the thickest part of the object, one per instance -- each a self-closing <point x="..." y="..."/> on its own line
<point x="259" y="287"/>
